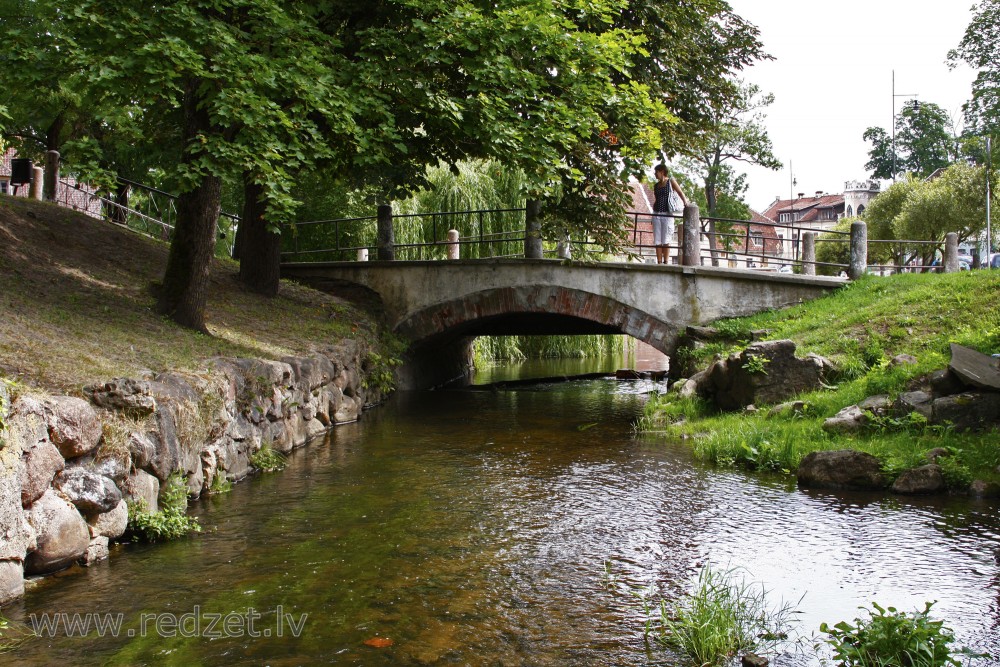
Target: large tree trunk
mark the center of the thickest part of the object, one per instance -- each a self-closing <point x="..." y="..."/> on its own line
<point x="259" y="248"/>
<point x="185" y="283"/>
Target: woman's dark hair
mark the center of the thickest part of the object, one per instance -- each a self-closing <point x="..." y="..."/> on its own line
<point x="661" y="167"/>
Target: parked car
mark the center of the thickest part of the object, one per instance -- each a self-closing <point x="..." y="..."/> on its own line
<point x="995" y="260"/>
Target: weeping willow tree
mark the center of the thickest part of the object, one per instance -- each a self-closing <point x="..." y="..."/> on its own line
<point x="496" y="349"/>
<point x="481" y="199"/>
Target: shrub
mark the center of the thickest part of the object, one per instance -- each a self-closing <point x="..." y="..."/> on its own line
<point x="893" y="638"/>
<point x="170" y="522"/>
<point x="266" y="459"/>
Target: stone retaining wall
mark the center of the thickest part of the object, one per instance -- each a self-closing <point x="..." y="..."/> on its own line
<point x="68" y="464"/>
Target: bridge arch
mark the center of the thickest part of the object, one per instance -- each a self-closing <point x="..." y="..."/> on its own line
<point x="534" y="310"/>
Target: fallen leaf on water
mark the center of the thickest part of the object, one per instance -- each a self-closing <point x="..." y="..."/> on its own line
<point x="378" y="642"/>
<point x="584" y="427"/>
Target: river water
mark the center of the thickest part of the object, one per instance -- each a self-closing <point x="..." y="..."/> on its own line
<point x="478" y="527"/>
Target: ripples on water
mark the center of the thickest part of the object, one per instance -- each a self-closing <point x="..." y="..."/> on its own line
<point x="473" y="528"/>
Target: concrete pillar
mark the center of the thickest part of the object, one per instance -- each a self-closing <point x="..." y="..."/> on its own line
<point x="386" y="250"/>
<point x="51" y="175"/>
<point x="362" y="254"/>
<point x="453" y="247"/>
<point x="37" y="177"/>
<point x="691" y="246"/>
<point x="859" y="250"/>
<point x="951" y="253"/>
<point x="564" y="249"/>
<point x="809" y="254"/>
<point x="533" y="229"/>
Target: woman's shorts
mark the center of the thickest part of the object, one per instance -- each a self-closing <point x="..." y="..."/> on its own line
<point x="663" y="229"/>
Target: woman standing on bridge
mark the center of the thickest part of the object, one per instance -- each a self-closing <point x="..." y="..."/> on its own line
<point x="668" y="201"/>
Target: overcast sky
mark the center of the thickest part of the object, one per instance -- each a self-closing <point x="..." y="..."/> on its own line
<point x="832" y="79"/>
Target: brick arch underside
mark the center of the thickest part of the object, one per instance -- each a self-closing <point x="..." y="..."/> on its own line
<point x="472" y="315"/>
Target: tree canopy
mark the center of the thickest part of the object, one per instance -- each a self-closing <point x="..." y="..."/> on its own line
<point x="978" y="49"/>
<point x="576" y="96"/>
<point x="924" y="142"/>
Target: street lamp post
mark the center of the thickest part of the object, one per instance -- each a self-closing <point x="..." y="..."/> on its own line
<point x="916" y="105"/>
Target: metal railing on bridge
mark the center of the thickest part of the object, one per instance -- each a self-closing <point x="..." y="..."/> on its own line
<point x="729" y="243"/>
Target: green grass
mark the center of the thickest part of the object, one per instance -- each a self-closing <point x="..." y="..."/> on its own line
<point x="722" y="616"/>
<point x="860" y="328"/>
<point x="77" y="306"/>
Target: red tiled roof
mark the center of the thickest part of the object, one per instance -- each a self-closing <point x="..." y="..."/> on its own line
<point x="803" y="204"/>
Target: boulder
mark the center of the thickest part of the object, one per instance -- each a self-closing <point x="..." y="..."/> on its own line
<point x="96" y="551"/>
<point x="74" y="426"/>
<point x="349" y="410"/>
<point x="40" y="463"/>
<point x="62" y="534"/>
<point x="843" y="469"/>
<point x="753" y="660"/>
<point x="878" y="405"/>
<point x="141" y="449"/>
<point x="764" y="373"/>
<point x="791" y="407"/>
<point x="945" y="383"/>
<point x="143" y="487"/>
<point x="968" y="411"/>
<point x="849" y="420"/>
<point x="90" y="492"/>
<point x="110" y="524"/>
<point x="983" y="489"/>
<point x="903" y="360"/>
<point x="974" y="368"/>
<point x="130" y="396"/>
<point x="11" y="580"/>
<point x="914" y="401"/>
<point x="925" y="480"/>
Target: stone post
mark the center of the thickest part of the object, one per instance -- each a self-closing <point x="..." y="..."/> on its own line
<point x="809" y="254"/>
<point x="37" y="178"/>
<point x="386" y="242"/>
<point x="362" y="254"/>
<point x="859" y="250"/>
<point x="951" y="253"/>
<point x="51" y="175"/>
<point x="533" y="230"/>
<point x="691" y="246"/>
<point x="453" y="247"/>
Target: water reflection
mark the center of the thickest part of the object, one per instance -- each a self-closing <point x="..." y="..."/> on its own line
<point x="473" y="528"/>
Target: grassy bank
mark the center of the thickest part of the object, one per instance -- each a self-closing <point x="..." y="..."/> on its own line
<point x="76" y="306"/>
<point x="860" y="328"/>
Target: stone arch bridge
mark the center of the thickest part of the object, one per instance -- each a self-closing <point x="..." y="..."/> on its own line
<point x="441" y="306"/>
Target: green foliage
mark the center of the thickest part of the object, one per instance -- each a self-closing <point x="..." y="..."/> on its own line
<point x="957" y="475"/>
<point x="220" y="484"/>
<point x="493" y="349"/>
<point x="924" y="141"/>
<point x="756" y="364"/>
<point x="891" y="638"/>
<point x="378" y="372"/>
<point x="722" y="617"/>
<point x="978" y="49"/>
<point x="171" y="521"/>
<point x="13" y="634"/>
<point x="266" y="459"/>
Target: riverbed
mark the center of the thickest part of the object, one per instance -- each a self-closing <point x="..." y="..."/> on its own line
<point x="479" y="527"/>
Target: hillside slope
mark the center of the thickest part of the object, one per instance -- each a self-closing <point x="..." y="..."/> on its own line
<point x="76" y="306"/>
